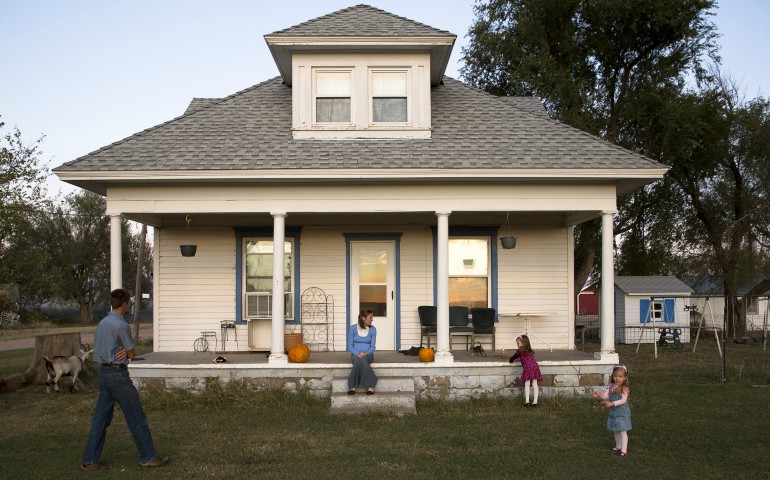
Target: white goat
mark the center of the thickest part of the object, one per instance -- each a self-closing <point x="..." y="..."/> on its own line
<point x="63" y="367"/>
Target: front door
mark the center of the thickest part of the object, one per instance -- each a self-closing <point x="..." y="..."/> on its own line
<point x="372" y="286"/>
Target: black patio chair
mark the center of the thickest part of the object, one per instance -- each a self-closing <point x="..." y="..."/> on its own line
<point x="483" y="323"/>
<point x="428" y="323"/>
<point x="458" y="324"/>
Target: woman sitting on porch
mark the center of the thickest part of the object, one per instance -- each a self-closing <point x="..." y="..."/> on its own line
<point x="362" y="339"/>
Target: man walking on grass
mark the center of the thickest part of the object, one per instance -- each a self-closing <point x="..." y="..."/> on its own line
<point x="113" y="349"/>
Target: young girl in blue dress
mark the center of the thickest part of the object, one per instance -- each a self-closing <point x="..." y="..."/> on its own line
<point x="615" y="398"/>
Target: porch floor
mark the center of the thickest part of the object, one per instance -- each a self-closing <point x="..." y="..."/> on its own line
<point x="326" y="359"/>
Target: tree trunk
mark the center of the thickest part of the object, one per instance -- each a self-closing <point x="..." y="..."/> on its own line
<point x="63" y="344"/>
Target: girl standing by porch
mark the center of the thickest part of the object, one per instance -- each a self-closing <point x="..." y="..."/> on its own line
<point x="615" y="398"/>
<point x="531" y="370"/>
<point x="362" y="339"/>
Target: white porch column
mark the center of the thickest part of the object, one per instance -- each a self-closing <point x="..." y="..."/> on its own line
<point x="278" y="320"/>
<point x="607" y="290"/>
<point x="443" y="354"/>
<point x="116" y="253"/>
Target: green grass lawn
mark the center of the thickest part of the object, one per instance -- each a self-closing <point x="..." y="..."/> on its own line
<point x="686" y="425"/>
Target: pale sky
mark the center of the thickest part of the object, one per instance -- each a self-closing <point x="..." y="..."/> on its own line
<point x="87" y="73"/>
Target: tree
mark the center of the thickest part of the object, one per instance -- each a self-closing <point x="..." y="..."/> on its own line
<point x="592" y="62"/>
<point x="718" y="149"/>
<point x="22" y="180"/>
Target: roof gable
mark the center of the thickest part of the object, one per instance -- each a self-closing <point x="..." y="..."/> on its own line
<point x="360" y="20"/>
<point x="361" y="29"/>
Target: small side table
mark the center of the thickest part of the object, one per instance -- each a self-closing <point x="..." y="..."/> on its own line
<point x="225" y="326"/>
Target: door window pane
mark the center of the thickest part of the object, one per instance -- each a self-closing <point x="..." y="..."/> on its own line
<point x="375" y="298"/>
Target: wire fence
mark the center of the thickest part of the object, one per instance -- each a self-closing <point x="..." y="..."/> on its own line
<point x="693" y="342"/>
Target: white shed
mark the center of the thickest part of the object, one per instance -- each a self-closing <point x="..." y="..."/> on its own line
<point x="644" y="301"/>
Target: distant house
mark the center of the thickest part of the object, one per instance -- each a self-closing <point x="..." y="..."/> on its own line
<point x="361" y="170"/>
<point x="645" y="301"/>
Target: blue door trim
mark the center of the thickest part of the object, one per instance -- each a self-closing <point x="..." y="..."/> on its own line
<point x="374" y="237"/>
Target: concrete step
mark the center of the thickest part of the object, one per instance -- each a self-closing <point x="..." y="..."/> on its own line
<point x="394" y="395"/>
<point x="384" y="384"/>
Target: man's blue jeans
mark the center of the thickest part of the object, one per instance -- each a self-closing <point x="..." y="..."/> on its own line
<point x="115" y="386"/>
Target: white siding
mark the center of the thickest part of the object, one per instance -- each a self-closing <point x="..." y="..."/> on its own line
<point x="534" y="277"/>
<point x="196" y="293"/>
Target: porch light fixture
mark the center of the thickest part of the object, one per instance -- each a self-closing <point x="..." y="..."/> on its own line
<point x="507" y="239"/>
<point x="188" y="250"/>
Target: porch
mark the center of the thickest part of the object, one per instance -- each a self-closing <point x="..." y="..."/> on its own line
<point x="565" y="373"/>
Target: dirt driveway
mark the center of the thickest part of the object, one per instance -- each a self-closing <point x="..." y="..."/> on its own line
<point x="145" y="333"/>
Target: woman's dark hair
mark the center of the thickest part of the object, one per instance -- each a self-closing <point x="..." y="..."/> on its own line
<point x="365" y="312"/>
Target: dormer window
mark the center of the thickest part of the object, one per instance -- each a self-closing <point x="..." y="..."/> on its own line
<point x="361" y="95"/>
<point x="389" y="91"/>
<point x="333" y="96"/>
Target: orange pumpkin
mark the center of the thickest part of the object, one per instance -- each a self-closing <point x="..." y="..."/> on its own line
<point x="426" y="354"/>
<point x="299" y="353"/>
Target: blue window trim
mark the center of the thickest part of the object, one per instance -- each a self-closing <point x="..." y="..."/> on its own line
<point x="374" y="237"/>
<point x="264" y="232"/>
<point x="490" y="232"/>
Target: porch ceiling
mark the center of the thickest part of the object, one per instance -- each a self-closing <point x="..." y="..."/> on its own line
<point x="300" y="219"/>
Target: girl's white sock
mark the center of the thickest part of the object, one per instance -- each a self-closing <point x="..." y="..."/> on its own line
<point x="619" y="440"/>
<point x="624" y="441"/>
<point x="535" y="392"/>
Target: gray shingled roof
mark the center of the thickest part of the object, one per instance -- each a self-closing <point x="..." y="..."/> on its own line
<point x="251" y="129"/>
<point x="652" y="284"/>
<point x="361" y="20"/>
<point x="198" y="103"/>
<point x="531" y="104"/>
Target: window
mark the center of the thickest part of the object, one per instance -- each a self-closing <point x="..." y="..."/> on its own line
<point x="332" y="100"/>
<point x="469" y="268"/>
<point x="258" y="278"/>
<point x="660" y="311"/>
<point x="389" y="97"/>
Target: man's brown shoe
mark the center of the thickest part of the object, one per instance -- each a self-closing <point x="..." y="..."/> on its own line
<point x="94" y="466"/>
<point x="158" y="461"/>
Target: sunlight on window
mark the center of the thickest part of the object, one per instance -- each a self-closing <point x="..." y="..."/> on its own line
<point x="469" y="272"/>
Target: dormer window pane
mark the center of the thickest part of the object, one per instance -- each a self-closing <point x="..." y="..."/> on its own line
<point x="332" y="97"/>
<point x="389" y="97"/>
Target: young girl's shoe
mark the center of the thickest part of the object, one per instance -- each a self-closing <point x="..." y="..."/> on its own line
<point x="623" y="454"/>
<point x="615" y="450"/>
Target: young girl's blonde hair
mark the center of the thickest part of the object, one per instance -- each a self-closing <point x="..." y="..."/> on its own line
<point x="623" y="386"/>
